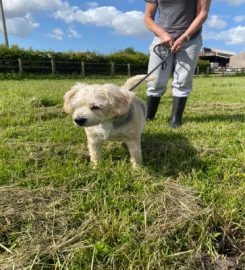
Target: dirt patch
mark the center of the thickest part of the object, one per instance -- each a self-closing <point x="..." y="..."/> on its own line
<point x="205" y="262"/>
<point x="35" y="230"/>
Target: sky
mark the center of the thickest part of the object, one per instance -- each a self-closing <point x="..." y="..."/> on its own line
<point x="107" y="26"/>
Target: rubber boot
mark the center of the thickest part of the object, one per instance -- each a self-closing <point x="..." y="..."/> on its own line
<point x="151" y="107"/>
<point x="177" y="111"/>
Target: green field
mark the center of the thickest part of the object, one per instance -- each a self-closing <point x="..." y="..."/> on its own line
<point x="184" y="209"/>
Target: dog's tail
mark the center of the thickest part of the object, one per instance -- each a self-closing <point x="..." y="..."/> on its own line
<point x="133" y="80"/>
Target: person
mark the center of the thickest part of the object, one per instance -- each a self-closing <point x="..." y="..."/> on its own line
<point x="179" y="27"/>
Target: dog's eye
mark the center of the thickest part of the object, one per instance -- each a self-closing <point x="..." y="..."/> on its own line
<point x="94" y="107"/>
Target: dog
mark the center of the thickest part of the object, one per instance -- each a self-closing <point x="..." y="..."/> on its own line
<point x="108" y="112"/>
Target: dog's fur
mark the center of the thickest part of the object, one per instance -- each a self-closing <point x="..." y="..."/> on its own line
<point x="108" y="112"/>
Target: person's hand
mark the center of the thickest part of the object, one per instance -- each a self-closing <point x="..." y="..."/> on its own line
<point x="178" y="43"/>
<point x="166" y="40"/>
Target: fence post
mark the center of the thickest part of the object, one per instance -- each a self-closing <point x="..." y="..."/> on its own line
<point x="112" y="73"/>
<point x="197" y="71"/>
<point x="53" y="67"/>
<point x="20" y="66"/>
<point x="223" y="71"/>
<point x="82" y="69"/>
<point x="207" y="70"/>
<point x="129" y="70"/>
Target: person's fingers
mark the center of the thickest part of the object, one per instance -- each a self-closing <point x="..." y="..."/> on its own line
<point x="173" y="48"/>
<point x="167" y="41"/>
<point x="177" y="48"/>
<point x="171" y="43"/>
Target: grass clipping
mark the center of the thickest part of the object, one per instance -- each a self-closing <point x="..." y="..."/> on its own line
<point x="35" y="222"/>
<point x="38" y="229"/>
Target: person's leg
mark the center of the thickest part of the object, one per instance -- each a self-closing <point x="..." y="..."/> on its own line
<point x="185" y="65"/>
<point x="158" y="86"/>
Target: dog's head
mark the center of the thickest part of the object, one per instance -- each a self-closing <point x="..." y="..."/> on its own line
<point x="94" y="104"/>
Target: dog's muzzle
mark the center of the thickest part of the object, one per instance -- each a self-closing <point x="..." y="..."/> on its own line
<point x="80" y="121"/>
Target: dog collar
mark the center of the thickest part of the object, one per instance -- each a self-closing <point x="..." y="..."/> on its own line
<point x="124" y="119"/>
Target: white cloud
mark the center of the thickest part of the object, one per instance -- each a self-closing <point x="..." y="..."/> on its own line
<point x="130" y="24"/>
<point x="20" y="26"/>
<point x="233" y="36"/>
<point x="239" y="19"/>
<point x="229" y="2"/>
<point x="101" y="16"/>
<point x="14" y="8"/>
<point x="19" y="20"/>
<point x="216" y="22"/>
<point x="123" y="23"/>
<point x="73" y="33"/>
<point x="235" y="2"/>
<point x="56" y="34"/>
<point x="92" y="4"/>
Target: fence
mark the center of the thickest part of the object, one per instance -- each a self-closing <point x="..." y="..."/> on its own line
<point x="83" y="68"/>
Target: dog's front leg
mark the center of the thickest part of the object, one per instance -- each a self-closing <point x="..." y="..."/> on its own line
<point x="134" y="147"/>
<point x="94" y="147"/>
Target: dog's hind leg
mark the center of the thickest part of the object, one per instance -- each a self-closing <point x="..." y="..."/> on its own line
<point x="134" y="147"/>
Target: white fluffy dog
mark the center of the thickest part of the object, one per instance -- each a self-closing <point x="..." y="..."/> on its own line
<point x="108" y="112"/>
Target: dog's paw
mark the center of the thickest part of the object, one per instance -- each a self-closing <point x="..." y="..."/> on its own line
<point x="94" y="164"/>
<point x="135" y="165"/>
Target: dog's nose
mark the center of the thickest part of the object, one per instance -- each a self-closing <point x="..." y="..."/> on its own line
<point x="80" y="121"/>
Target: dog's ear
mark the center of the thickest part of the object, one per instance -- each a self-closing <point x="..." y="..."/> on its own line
<point x="67" y="98"/>
<point x="119" y="101"/>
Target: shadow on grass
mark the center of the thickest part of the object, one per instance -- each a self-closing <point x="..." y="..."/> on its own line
<point x="238" y="117"/>
<point x="169" y="154"/>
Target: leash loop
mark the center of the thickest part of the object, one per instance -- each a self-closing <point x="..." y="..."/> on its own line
<point x="163" y="53"/>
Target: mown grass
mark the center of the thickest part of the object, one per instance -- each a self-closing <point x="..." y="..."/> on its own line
<point x="184" y="209"/>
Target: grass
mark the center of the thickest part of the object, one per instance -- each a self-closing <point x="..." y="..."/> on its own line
<point x="184" y="209"/>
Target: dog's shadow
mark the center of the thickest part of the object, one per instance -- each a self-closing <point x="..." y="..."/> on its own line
<point x="168" y="154"/>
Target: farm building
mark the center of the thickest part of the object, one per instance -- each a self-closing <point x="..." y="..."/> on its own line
<point x="217" y="57"/>
<point x="237" y="61"/>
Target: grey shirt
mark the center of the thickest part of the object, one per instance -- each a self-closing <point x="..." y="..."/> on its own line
<point x="175" y="16"/>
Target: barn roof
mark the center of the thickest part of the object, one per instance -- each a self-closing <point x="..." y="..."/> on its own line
<point x="216" y="52"/>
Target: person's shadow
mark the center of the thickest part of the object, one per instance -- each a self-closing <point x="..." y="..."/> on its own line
<point x="169" y="154"/>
